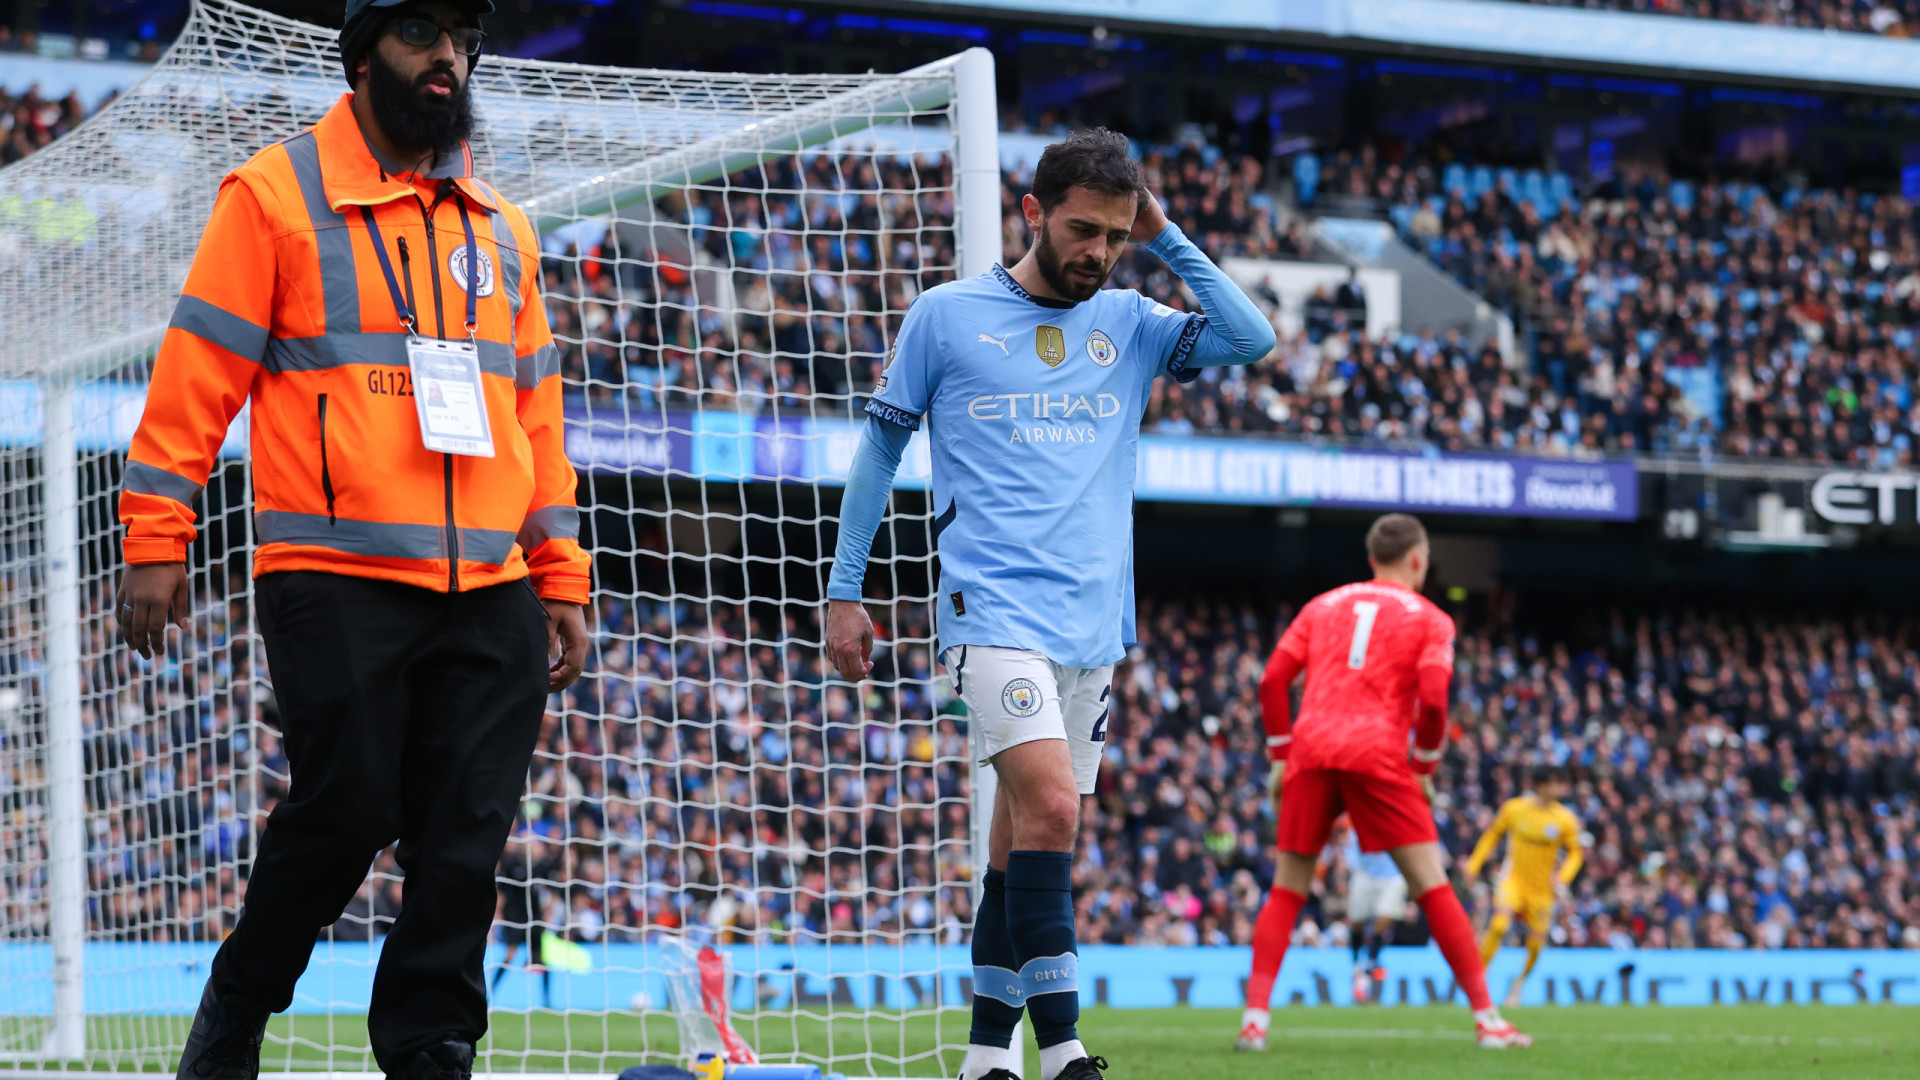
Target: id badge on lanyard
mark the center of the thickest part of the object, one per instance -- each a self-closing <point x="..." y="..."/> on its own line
<point x="448" y="395"/>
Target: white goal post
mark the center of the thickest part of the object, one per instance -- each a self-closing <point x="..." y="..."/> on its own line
<point x="727" y="260"/>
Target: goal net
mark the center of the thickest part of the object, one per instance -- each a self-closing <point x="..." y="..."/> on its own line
<point x="726" y="261"/>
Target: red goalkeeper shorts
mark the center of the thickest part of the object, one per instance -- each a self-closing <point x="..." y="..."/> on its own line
<point x="1388" y="811"/>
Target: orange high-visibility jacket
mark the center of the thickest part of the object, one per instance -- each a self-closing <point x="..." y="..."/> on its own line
<point x="287" y="303"/>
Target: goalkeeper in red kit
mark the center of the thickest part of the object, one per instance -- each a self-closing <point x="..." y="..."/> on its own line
<point x="1378" y="658"/>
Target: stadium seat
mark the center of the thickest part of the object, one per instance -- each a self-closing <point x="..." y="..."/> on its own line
<point x="1533" y="188"/>
<point x="1560" y="189"/>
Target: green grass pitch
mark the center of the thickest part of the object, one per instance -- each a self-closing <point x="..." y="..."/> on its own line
<point x="1856" y="1042"/>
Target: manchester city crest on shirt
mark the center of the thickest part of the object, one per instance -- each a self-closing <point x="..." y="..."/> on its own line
<point x="1102" y="350"/>
<point x="457" y="266"/>
<point x="1021" y="697"/>
<point x="1051" y="343"/>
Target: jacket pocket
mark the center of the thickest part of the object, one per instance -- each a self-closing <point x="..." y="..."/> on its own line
<point x="326" y="473"/>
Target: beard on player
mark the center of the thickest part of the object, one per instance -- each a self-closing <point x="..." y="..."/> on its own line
<point x="1076" y="279"/>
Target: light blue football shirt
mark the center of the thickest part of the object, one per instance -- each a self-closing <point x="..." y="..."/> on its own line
<point x="1374" y="864"/>
<point x="1033" y="410"/>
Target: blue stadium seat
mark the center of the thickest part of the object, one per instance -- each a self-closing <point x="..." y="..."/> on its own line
<point x="1533" y="188"/>
<point x="1560" y="189"/>
<point x="1680" y="194"/>
<point x="1454" y="179"/>
<point x="1481" y="182"/>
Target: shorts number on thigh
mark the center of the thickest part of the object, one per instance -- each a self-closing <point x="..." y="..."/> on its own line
<point x="1018" y="696"/>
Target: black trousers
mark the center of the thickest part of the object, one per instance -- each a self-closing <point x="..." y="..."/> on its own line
<point x="407" y="715"/>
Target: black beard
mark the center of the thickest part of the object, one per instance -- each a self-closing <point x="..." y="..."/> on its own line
<point x="1054" y="270"/>
<point x="412" y="119"/>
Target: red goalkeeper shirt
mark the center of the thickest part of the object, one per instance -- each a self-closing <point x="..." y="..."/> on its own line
<point x="1378" y="658"/>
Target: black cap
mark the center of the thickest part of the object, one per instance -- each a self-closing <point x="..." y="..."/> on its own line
<point x="364" y="20"/>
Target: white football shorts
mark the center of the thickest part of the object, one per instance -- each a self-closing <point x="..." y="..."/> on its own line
<point x="1370" y="897"/>
<point x="1018" y="696"/>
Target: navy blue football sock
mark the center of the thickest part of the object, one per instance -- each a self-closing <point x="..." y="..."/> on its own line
<point x="1040" y="922"/>
<point x="997" y="994"/>
<point x="1374" y="943"/>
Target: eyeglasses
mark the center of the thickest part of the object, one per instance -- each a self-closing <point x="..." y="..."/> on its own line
<point x="425" y="34"/>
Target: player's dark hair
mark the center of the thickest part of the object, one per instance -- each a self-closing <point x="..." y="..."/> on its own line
<point x="1542" y="775"/>
<point x="1392" y="536"/>
<point x="1097" y="159"/>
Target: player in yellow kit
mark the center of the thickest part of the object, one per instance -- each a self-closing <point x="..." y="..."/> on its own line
<point x="1538" y="828"/>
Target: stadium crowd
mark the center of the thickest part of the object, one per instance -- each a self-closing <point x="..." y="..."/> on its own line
<point x="641" y="326"/>
<point x="1789" y="313"/>
<point x="1744" y="782"/>
<point x="1894" y="18"/>
<point x="28" y="122"/>
<point x="1657" y="317"/>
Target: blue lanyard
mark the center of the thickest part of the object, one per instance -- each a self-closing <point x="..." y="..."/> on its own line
<point x="473" y="271"/>
<point x="408" y="318"/>
<point x="386" y="267"/>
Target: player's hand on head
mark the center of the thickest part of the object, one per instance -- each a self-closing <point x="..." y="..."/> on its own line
<point x="1149" y="220"/>
<point x="849" y="639"/>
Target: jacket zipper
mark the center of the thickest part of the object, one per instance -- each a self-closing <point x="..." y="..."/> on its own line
<point x="406" y="281"/>
<point x="326" y="474"/>
<point x="440" y="323"/>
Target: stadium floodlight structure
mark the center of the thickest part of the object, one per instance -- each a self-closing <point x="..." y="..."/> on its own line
<point x="728" y="257"/>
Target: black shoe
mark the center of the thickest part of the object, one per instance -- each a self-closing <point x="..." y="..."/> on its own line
<point x="1086" y="1068"/>
<point x="998" y="1074"/>
<point x="450" y="1060"/>
<point x="224" y="1042"/>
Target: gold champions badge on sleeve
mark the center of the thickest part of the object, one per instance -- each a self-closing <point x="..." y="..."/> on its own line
<point x="1051" y="343"/>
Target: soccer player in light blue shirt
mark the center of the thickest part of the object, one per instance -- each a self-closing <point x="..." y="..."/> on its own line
<point x="1376" y="902"/>
<point x="1032" y="382"/>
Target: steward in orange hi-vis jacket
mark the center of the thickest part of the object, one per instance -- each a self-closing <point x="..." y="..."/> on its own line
<point x="288" y="303"/>
<point x="419" y="579"/>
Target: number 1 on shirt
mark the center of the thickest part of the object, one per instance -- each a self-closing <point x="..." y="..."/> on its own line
<point x="1364" y="612"/>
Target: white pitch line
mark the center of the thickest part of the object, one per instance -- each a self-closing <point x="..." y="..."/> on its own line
<point x="1456" y="1035"/>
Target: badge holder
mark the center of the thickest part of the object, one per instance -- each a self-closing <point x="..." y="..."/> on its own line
<point x="449" y="398"/>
